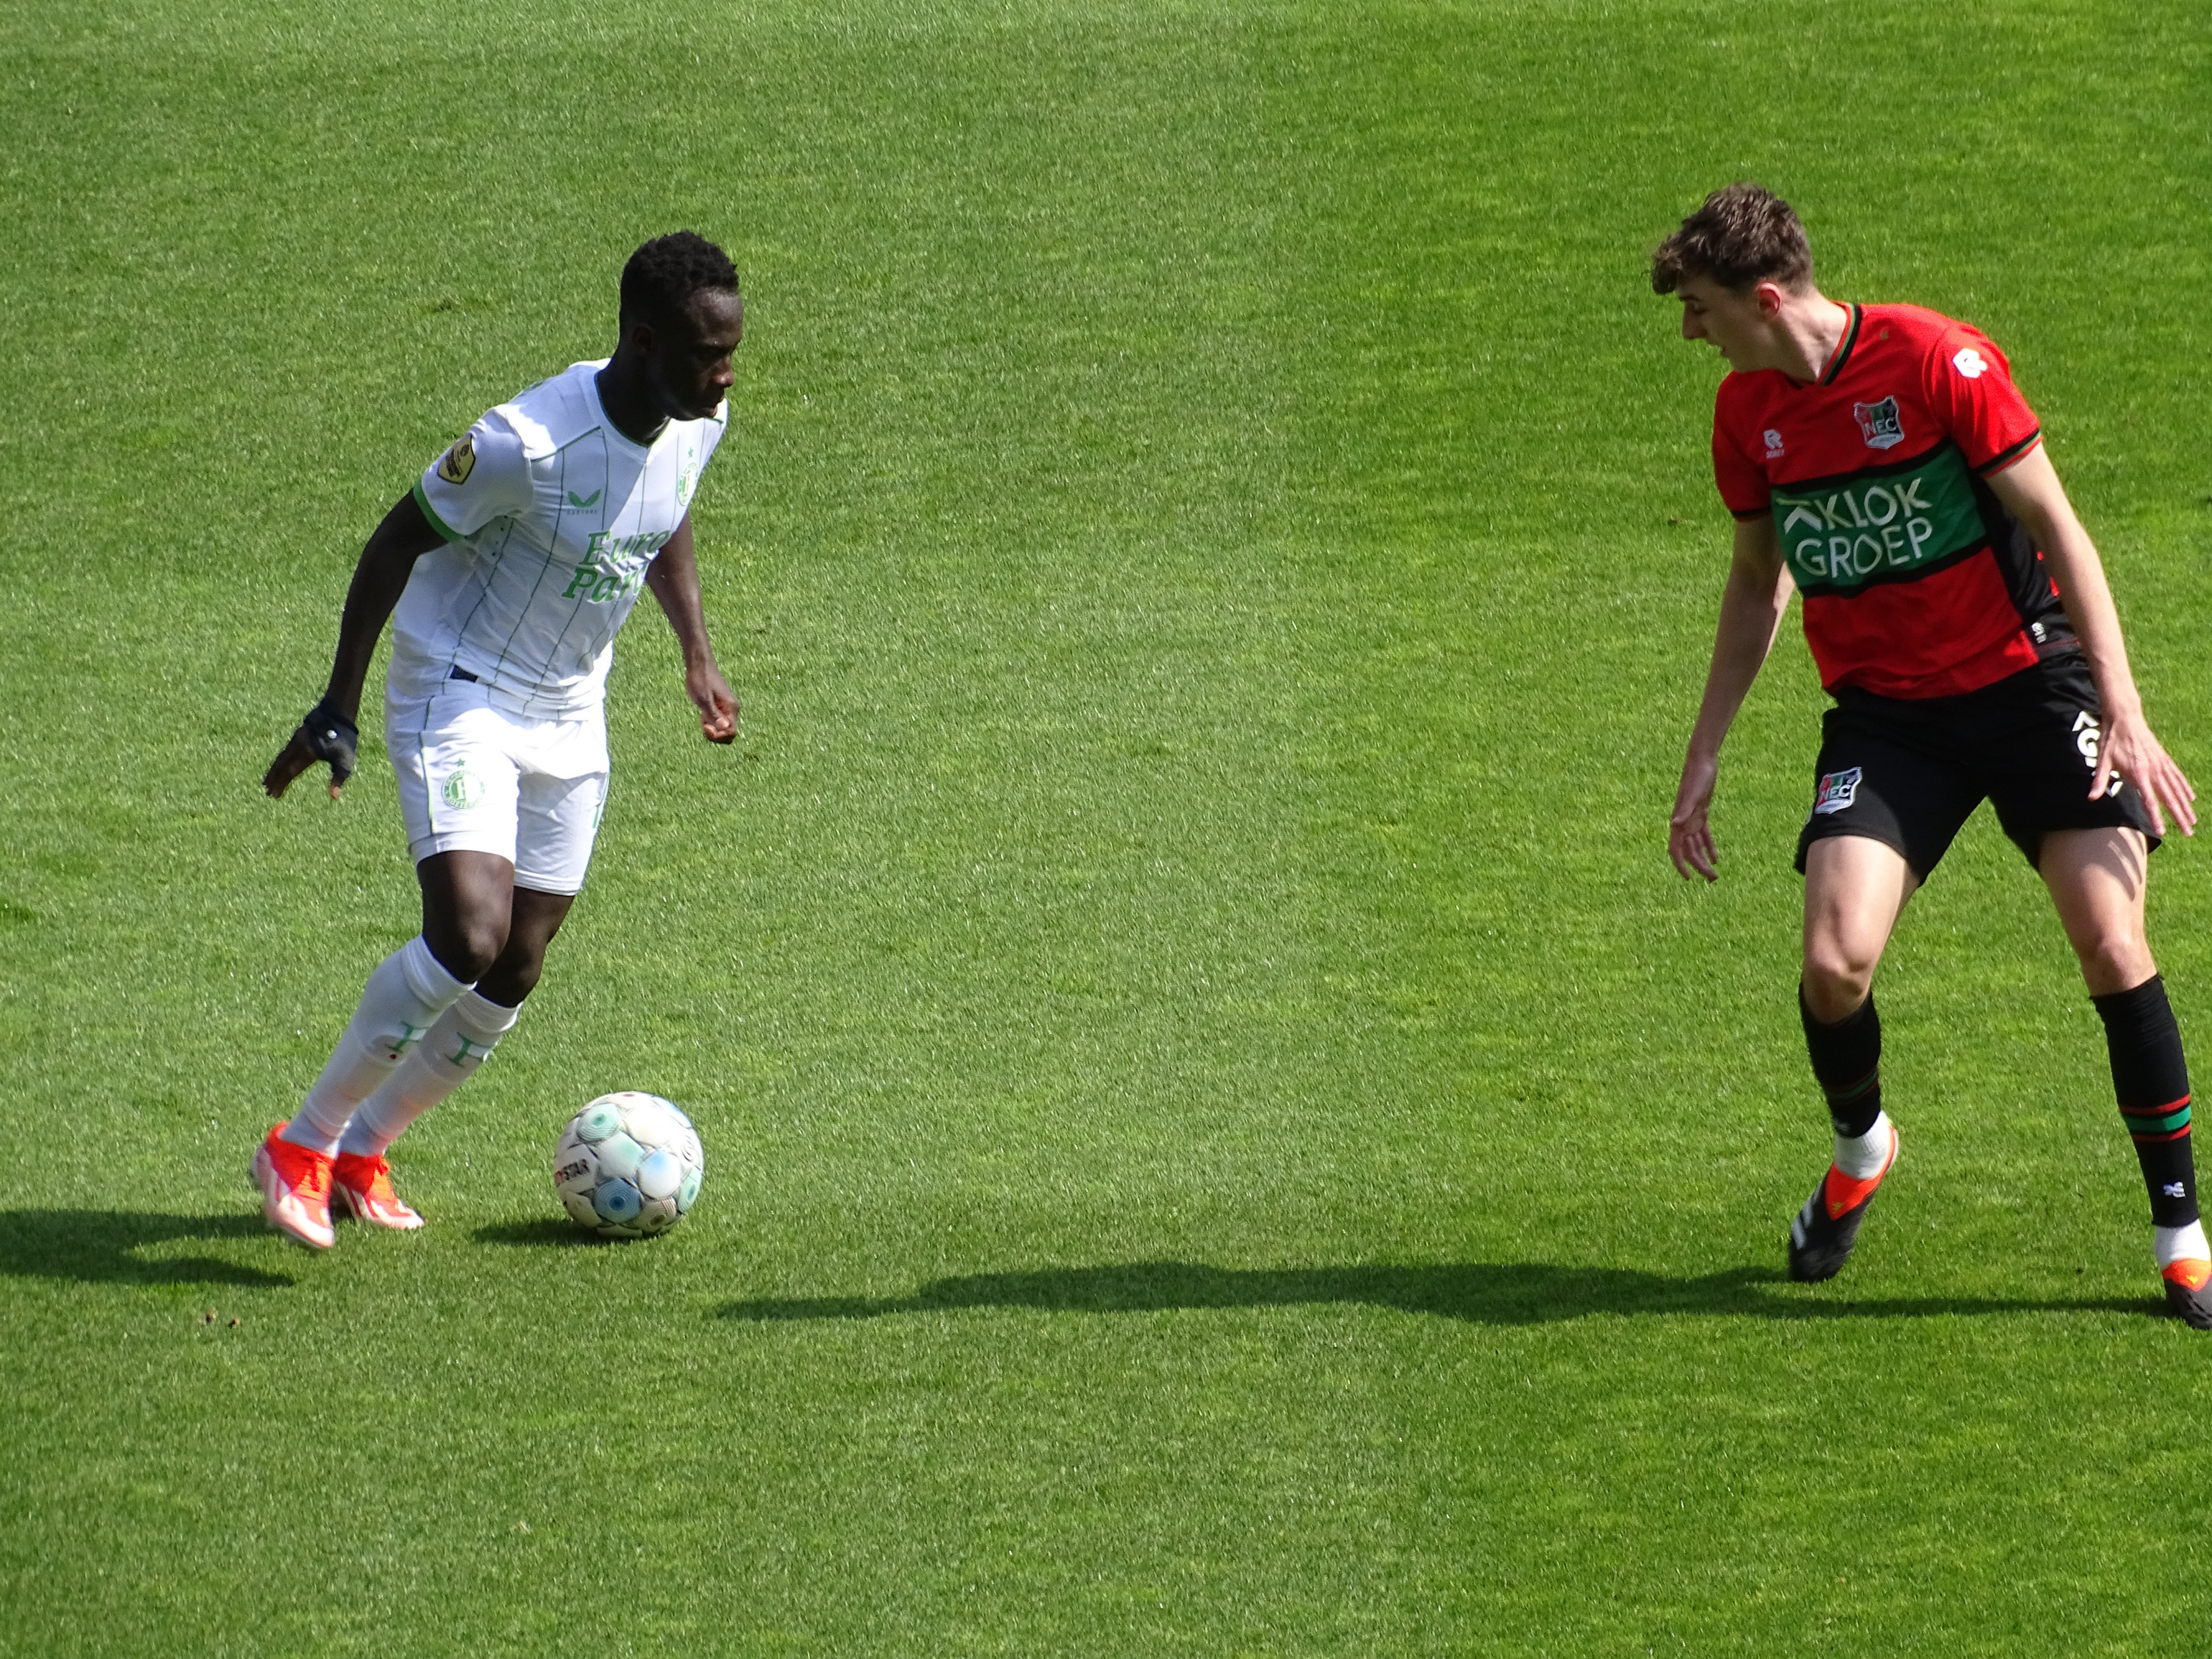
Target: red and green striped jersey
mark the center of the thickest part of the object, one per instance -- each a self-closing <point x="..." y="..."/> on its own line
<point x="1917" y="581"/>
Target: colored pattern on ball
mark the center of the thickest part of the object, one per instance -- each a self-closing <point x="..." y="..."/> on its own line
<point x="629" y="1165"/>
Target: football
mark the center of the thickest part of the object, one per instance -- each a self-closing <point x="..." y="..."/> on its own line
<point x="629" y="1165"/>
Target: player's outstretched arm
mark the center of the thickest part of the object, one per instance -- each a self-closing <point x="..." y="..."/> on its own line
<point x="1752" y="603"/>
<point x="2031" y="493"/>
<point x="329" y="732"/>
<point x="673" y="576"/>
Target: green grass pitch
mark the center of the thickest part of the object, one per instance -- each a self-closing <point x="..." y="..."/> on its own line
<point x="1225" y="1135"/>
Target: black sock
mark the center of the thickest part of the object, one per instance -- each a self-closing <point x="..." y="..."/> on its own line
<point x="2152" y="1080"/>
<point x="1847" y="1062"/>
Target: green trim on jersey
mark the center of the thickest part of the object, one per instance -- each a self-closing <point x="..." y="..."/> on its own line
<point x="1844" y="351"/>
<point x="431" y="514"/>
<point x="1845" y="535"/>
<point x="2005" y="457"/>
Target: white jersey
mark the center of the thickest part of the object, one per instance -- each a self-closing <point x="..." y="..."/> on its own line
<point x="551" y="517"/>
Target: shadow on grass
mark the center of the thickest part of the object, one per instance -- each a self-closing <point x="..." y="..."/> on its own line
<point x="542" y="1234"/>
<point x="100" y="1247"/>
<point x="1490" y="1293"/>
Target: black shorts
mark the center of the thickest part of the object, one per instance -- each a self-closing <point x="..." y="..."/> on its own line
<point x="1909" y="772"/>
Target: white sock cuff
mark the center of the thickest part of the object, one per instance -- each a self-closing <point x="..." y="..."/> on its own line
<point x="1862" y="1156"/>
<point x="2172" y="1244"/>
<point x="481" y="1018"/>
<point x="427" y="977"/>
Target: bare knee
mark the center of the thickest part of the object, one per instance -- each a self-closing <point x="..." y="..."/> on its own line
<point x="535" y="919"/>
<point x="1836" y="980"/>
<point x="466" y="945"/>
<point x="2114" y="960"/>
<point x="468" y="910"/>
<point x="2096" y="880"/>
<point x="512" y="977"/>
<point x="1854" y="887"/>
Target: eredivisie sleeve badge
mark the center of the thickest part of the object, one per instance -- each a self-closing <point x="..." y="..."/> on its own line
<point x="455" y="465"/>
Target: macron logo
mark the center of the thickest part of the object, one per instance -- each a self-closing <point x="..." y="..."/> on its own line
<point x="1970" y="363"/>
<point x="2175" y="1190"/>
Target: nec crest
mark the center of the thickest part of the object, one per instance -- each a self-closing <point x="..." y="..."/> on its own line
<point x="1879" y="424"/>
<point x="1838" y="791"/>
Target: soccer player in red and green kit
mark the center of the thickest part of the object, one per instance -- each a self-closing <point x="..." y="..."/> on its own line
<point x="1879" y="460"/>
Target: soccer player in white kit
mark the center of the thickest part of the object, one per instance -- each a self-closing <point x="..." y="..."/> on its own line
<point x="513" y="563"/>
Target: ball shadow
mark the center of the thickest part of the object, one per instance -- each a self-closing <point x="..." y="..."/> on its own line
<point x="543" y="1233"/>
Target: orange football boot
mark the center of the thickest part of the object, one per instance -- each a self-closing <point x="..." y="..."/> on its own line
<point x="364" y="1183"/>
<point x="295" y="1190"/>
<point x="2189" y="1291"/>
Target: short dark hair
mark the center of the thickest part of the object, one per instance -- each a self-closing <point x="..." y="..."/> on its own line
<point x="668" y="270"/>
<point x="1744" y="234"/>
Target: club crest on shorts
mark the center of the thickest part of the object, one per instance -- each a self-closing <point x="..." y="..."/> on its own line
<point x="457" y="463"/>
<point x="1879" y="424"/>
<point x="462" y="789"/>
<point x="1837" y="790"/>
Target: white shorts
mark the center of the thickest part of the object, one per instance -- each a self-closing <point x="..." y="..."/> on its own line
<point x="476" y="778"/>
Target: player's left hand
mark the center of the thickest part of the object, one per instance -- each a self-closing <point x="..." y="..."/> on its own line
<point x="717" y="703"/>
<point x="1690" y="831"/>
<point x="2132" y="750"/>
<point x="325" y="735"/>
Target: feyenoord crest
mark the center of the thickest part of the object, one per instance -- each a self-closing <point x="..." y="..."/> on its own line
<point x="1880" y="423"/>
<point x="463" y="789"/>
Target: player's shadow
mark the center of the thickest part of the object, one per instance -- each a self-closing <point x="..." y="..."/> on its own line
<point x="103" y="1247"/>
<point x="1489" y="1293"/>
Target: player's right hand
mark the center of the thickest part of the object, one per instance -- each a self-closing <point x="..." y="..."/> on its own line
<point x="717" y="704"/>
<point x="1689" y="836"/>
<point x="326" y="736"/>
<point x="2131" y="750"/>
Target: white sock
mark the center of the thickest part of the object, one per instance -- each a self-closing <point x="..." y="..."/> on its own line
<point x="2173" y="1245"/>
<point x="403" y="1000"/>
<point x="461" y="1041"/>
<point x="1860" y="1155"/>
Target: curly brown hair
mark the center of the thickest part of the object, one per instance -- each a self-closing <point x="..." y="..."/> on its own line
<point x="1744" y="234"/>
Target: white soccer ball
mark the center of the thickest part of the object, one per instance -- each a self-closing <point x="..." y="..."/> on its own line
<point x="629" y="1165"/>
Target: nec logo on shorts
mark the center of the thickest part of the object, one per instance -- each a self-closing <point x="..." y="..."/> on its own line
<point x="1837" y="790"/>
<point x="1879" y="424"/>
